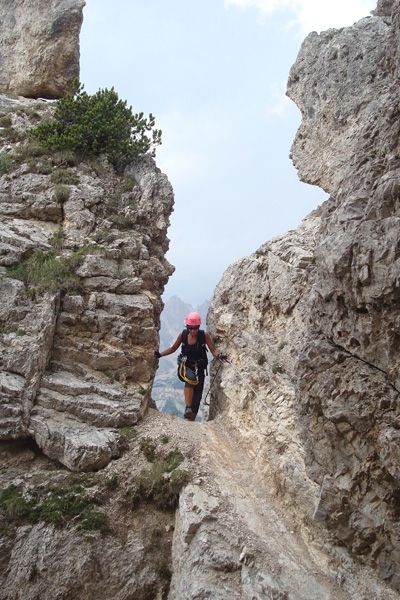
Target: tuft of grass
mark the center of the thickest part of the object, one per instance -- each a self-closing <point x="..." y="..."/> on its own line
<point x="163" y="566"/>
<point x="277" y="369"/>
<point x="30" y="150"/>
<point x="64" y="176"/>
<point x="13" y="505"/>
<point x="7" y="164"/>
<point x="121" y="222"/>
<point x="5" y="121"/>
<point x="153" y="486"/>
<point x="49" y="272"/>
<point x="129" y="183"/>
<point x="55" y="505"/>
<point x="173" y="460"/>
<point x="261" y="360"/>
<point x="61" y="192"/>
<point x="148" y="447"/>
<point x="112" y="482"/>
<point x="162" y="483"/>
<point x="57" y="239"/>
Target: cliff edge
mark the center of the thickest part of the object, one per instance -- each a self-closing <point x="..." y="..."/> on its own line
<point x="311" y="319"/>
<point x="83" y="270"/>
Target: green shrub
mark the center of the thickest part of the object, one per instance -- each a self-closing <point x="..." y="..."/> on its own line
<point x="101" y="123"/>
<point x="261" y="360"/>
<point x="94" y="520"/>
<point x="121" y="222"/>
<point x="56" y="505"/>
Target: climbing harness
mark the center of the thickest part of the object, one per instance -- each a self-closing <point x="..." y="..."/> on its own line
<point x="270" y="411"/>
<point x="185" y="373"/>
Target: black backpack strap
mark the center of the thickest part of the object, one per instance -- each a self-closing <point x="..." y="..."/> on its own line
<point x="184" y="337"/>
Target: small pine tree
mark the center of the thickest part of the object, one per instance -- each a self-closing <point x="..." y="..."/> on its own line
<point x="101" y="123"/>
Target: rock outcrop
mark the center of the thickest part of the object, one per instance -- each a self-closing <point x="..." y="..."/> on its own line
<point x="311" y="320"/>
<point x="291" y="491"/>
<point x="77" y="366"/>
<point x="39" y="51"/>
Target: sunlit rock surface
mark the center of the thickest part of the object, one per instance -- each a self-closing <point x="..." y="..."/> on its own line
<point x="39" y="52"/>
<point x="312" y="318"/>
<point x="77" y="366"/>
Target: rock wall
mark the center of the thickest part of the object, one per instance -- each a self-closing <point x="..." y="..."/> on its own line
<point x="78" y="365"/>
<point x="311" y="320"/>
<point x="39" y="51"/>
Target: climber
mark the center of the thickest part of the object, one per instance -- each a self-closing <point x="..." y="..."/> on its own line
<point x="192" y="361"/>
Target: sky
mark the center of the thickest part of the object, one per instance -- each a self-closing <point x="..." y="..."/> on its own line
<point x="214" y="73"/>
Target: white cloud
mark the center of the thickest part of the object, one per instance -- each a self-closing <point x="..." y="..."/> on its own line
<point x="312" y="15"/>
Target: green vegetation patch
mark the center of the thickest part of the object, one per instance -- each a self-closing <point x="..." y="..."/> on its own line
<point x="153" y="485"/>
<point x="58" y="505"/>
<point x="162" y="483"/>
<point x="97" y="124"/>
<point x="261" y="360"/>
<point x="50" y="271"/>
<point x="7" y="164"/>
<point x="64" y="176"/>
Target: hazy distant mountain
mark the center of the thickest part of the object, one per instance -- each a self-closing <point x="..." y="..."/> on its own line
<point x="167" y="389"/>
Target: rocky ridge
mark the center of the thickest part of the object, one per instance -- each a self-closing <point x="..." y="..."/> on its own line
<point x="311" y="320"/>
<point x="291" y="491"/>
<point x="77" y="366"/>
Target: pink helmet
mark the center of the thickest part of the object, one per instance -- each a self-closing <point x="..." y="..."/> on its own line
<point x="193" y="319"/>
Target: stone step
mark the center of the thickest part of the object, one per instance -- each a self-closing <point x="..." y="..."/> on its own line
<point x="77" y="445"/>
<point x="94" y="402"/>
<point x="91" y="408"/>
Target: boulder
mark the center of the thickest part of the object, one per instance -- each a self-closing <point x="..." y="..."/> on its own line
<point x="39" y="52"/>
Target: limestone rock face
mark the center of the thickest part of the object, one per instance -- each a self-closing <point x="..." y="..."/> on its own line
<point x="39" y="52"/>
<point x="77" y="366"/>
<point x="311" y="320"/>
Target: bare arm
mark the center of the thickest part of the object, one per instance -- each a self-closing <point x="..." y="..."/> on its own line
<point x="174" y="347"/>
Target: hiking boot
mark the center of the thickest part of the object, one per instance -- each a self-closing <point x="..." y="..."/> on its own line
<point x="188" y="412"/>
